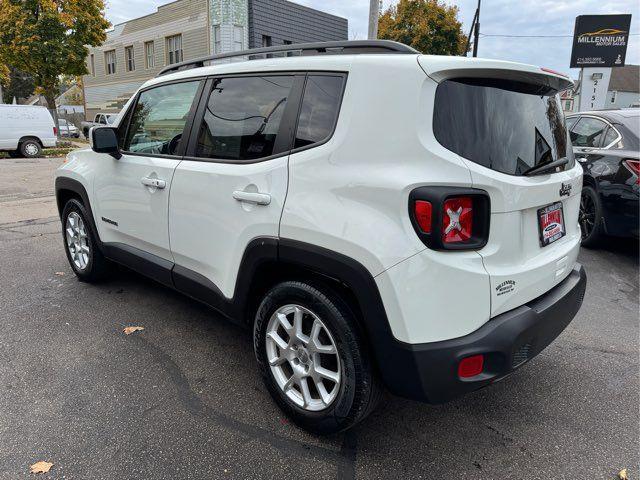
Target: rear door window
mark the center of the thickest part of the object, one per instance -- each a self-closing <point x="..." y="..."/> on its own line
<point x="506" y="126"/>
<point x="242" y="117"/>
<point x="588" y="132"/>
<point x="319" y="111"/>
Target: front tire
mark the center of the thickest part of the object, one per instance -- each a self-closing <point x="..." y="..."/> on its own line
<point x="590" y="217"/>
<point x="312" y="358"/>
<point x="30" y="148"/>
<point x="81" y="246"/>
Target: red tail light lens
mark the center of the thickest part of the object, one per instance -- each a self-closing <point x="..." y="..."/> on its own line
<point x="471" y="366"/>
<point x="634" y="167"/>
<point x="55" y="132"/>
<point x="422" y="211"/>
<point x="457" y="220"/>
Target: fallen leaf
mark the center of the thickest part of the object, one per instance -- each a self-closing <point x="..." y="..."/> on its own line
<point x="41" y="467"/>
<point x="60" y="274"/>
<point x="130" y="330"/>
<point x="622" y="474"/>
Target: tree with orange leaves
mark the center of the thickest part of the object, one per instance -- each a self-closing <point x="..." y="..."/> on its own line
<point x="430" y="26"/>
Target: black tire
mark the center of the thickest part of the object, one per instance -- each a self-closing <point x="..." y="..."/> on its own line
<point x="359" y="390"/>
<point x="14" y="153"/>
<point x="30" y="148"/>
<point x="590" y="217"/>
<point x="97" y="266"/>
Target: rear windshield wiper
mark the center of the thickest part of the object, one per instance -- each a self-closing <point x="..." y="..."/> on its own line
<point x="545" y="167"/>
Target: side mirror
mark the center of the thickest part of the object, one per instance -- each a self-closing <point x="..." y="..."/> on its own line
<point x="104" y="140"/>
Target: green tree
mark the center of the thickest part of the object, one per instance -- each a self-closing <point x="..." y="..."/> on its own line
<point x="49" y="38"/>
<point x="19" y="85"/>
<point x="430" y="26"/>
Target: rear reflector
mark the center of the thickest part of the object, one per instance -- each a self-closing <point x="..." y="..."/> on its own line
<point x="422" y="211"/>
<point x="634" y="167"/>
<point x="471" y="366"/>
<point x="457" y="220"/>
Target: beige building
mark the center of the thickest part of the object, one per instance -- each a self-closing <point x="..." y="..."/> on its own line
<point x="137" y="50"/>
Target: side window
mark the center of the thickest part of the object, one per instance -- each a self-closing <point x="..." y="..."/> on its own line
<point x="610" y="137"/>
<point x="102" y="120"/>
<point x="159" y="117"/>
<point x="319" y="112"/>
<point x="242" y="117"/>
<point x="571" y="122"/>
<point x="588" y="132"/>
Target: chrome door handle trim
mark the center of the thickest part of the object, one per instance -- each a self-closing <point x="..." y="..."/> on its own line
<point x="252" y="197"/>
<point x="153" y="182"/>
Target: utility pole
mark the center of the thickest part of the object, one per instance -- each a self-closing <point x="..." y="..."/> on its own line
<point x="374" y="12"/>
<point x="475" y="31"/>
<point x="476" y="35"/>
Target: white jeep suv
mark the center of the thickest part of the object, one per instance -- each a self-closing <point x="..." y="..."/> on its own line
<point x="378" y="217"/>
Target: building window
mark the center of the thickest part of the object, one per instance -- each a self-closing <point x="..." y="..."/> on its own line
<point x="128" y="55"/>
<point x="92" y="61"/>
<point x="174" y="49"/>
<point x="238" y="38"/>
<point x="288" y="42"/>
<point x="110" y="62"/>
<point x="266" y="41"/>
<point x="614" y="95"/>
<point x="149" y="55"/>
<point x="217" y="39"/>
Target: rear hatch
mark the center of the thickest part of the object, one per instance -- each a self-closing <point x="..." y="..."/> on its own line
<point x="504" y="120"/>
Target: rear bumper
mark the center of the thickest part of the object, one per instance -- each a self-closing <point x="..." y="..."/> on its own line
<point x="429" y="371"/>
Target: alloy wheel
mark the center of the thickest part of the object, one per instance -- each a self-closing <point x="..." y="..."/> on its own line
<point x="303" y="357"/>
<point x="587" y="215"/>
<point x="77" y="241"/>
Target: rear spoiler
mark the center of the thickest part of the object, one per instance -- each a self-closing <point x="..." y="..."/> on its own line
<point x="441" y="68"/>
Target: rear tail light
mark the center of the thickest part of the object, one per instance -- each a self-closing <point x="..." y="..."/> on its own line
<point x="422" y="211"/>
<point x="634" y="167"/>
<point x="457" y="220"/>
<point x="450" y="218"/>
<point x="55" y="132"/>
<point x="471" y="366"/>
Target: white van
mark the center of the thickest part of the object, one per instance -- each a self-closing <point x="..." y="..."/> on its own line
<point x="26" y="129"/>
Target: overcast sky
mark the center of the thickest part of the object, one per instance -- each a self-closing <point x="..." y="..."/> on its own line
<point x="498" y="17"/>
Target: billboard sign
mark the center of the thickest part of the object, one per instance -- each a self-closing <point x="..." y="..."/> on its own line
<point x="600" y="41"/>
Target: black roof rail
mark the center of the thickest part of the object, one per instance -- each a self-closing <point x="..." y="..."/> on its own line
<point x="302" y="49"/>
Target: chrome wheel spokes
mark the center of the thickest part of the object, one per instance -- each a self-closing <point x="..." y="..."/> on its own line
<point x="77" y="241"/>
<point x="303" y="357"/>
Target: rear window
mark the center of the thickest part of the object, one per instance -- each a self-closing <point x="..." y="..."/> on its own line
<point x="503" y="125"/>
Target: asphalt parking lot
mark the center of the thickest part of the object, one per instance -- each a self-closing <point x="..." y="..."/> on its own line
<point x="182" y="399"/>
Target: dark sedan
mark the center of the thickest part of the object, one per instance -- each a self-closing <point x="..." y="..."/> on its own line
<point x="606" y="144"/>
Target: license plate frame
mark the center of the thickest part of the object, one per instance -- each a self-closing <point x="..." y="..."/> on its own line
<point x="549" y="229"/>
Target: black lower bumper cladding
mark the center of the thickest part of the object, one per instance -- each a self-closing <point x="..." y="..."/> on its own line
<point x="429" y="371"/>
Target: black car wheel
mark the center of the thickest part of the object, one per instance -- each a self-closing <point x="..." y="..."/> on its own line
<point x="590" y="217"/>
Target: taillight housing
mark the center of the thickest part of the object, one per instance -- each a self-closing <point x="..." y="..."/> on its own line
<point x="55" y="132"/>
<point x="634" y="167"/>
<point x="450" y="218"/>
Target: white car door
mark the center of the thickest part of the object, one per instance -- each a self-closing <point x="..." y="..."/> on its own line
<point x="132" y="193"/>
<point x="232" y="186"/>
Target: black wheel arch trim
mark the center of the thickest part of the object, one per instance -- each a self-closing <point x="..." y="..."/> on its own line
<point x="73" y="186"/>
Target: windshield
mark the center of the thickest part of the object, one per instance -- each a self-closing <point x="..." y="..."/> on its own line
<point x="503" y="125"/>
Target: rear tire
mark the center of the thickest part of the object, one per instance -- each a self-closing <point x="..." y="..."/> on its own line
<point x="81" y="246"/>
<point x="30" y="148"/>
<point x="590" y="218"/>
<point x="14" y="153"/>
<point x="347" y="388"/>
